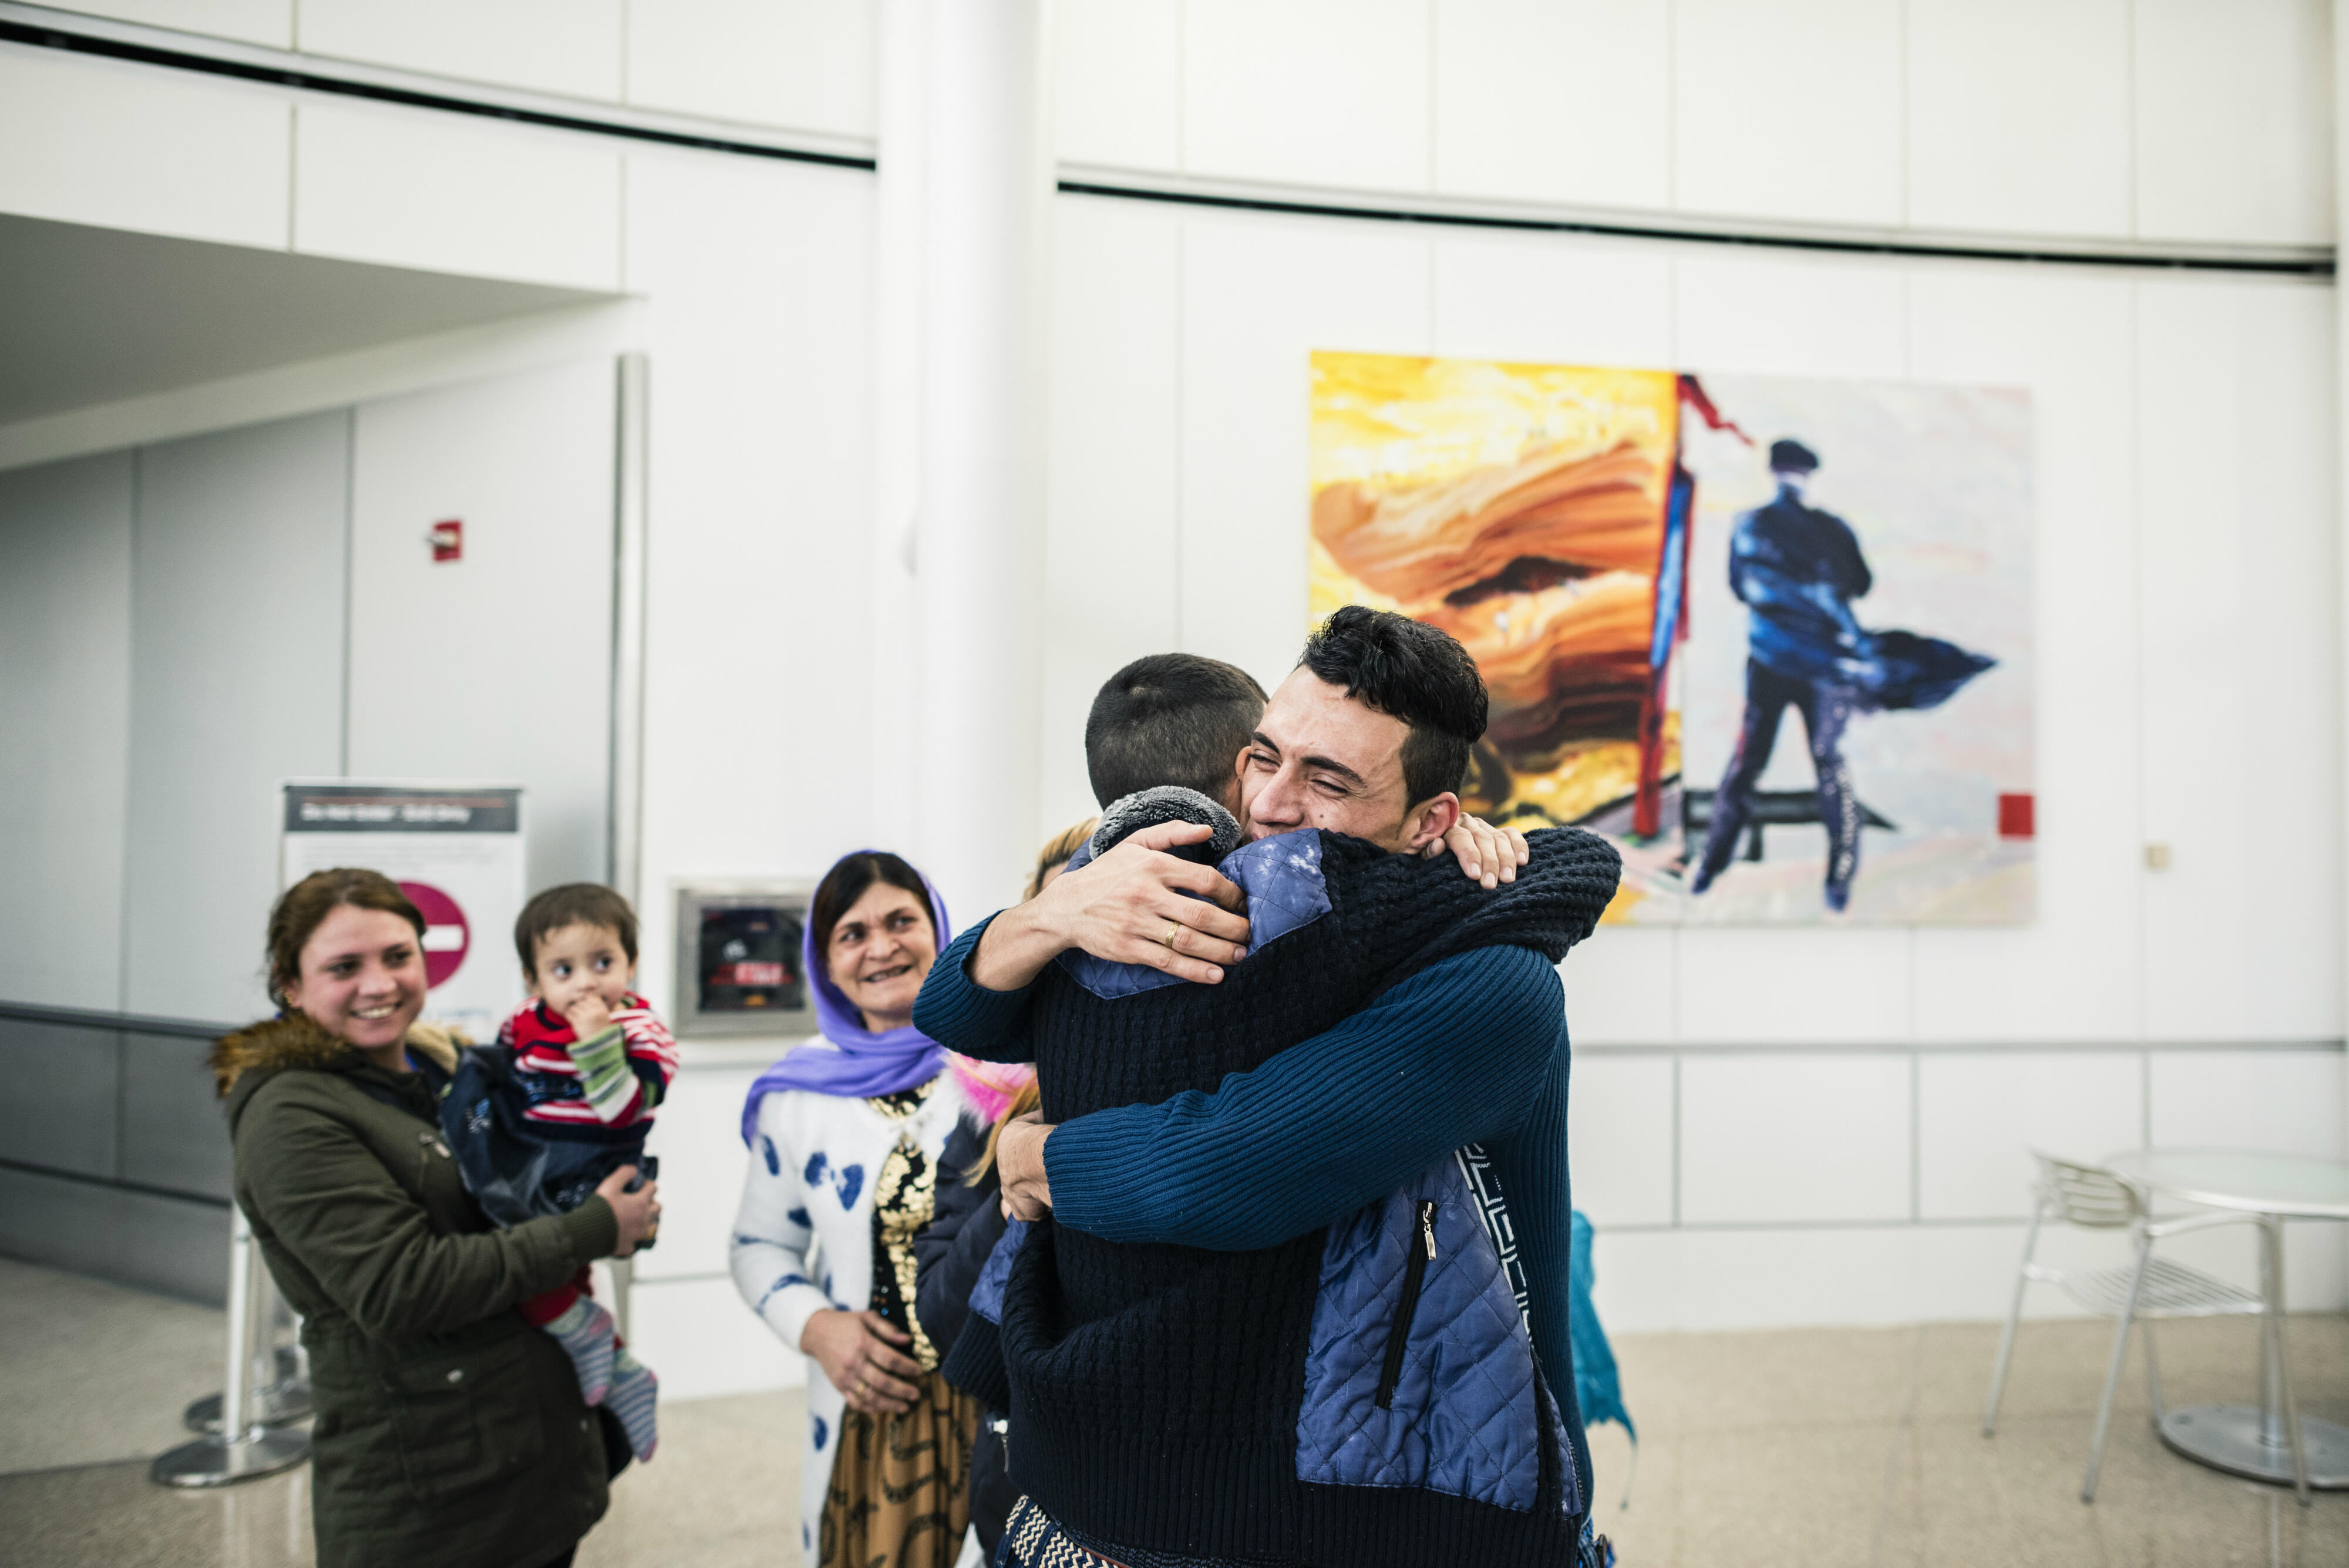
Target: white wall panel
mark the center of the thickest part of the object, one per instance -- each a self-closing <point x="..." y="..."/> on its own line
<point x="1118" y="83"/>
<point x="2315" y="1267"/>
<point x="269" y="21"/>
<point x="1591" y="303"/>
<point x="2242" y="713"/>
<point x="1669" y="1280"/>
<point x="451" y="194"/>
<point x="758" y="713"/>
<point x="2234" y="120"/>
<point x="497" y="665"/>
<point x="1788" y="110"/>
<point x="1966" y="1272"/>
<point x="2074" y="973"/>
<point x="65" y="728"/>
<point x="128" y="147"/>
<point x="2288" y="1101"/>
<point x="1793" y="1137"/>
<point x="236" y="682"/>
<point x="1790" y="317"/>
<point x="1257" y="298"/>
<point x="1785" y="1279"/>
<point x="570" y="46"/>
<point x="802" y="64"/>
<point x="703" y="1342"/>
<point x="2018" y="116"/>
<point x="1555" y="100"/>
<point x="1620" y="1139"/>
<point x="1795" y="985"/>
<point x="1324" y="92"/>
<point x="1113" y="534"/>
<point x="1978" y="1117"/>
<point x="1638" y="1284"/>
<point x="2313" y="1270"/>
<point x="697" y="1139"/>
<point x="1696" y="1280"/>
<point x="1620" y="986"/>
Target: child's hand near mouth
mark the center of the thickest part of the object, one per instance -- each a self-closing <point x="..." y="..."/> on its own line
<point x="588" y="1015"/>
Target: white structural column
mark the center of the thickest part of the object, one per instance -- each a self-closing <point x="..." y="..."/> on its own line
<point x="2341" y="315"/>
<point x="985" y="183"/>
<point x="900" y="38"/>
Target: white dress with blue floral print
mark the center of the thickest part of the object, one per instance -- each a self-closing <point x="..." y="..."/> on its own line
<point x="808" y="1190"/>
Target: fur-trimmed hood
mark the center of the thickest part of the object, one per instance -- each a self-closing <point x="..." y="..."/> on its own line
<point x="293" y="1040"/>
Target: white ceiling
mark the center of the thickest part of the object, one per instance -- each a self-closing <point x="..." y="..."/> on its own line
<point x="88" y="315"/>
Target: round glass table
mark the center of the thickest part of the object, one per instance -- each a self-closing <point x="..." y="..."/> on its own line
<point x="2244" y="1439"/>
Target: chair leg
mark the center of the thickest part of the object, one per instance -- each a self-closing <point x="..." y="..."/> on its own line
<point x="2152" y="1370"/>
<point x="2113" y="1370"/>
<point x="2006" y="1338"/>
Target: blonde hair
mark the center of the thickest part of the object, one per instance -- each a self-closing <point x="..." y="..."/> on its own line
<point x="1027" y="1100"/>
<point x="1057" y="850"/>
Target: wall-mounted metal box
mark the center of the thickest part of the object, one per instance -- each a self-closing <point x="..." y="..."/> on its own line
<point x="739" y="959"/>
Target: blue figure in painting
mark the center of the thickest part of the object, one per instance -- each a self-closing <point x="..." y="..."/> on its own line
<point x="1797" y="569"/>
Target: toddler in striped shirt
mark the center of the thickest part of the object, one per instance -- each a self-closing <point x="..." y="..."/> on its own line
<point x="585" y="1062"/>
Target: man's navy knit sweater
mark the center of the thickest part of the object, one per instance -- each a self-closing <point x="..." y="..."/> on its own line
<point x="1471" y="1050"/>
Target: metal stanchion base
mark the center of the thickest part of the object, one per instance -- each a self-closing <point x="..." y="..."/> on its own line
<point x="283" y="1402"/>
<point x="209" y="1461"/>
<point x="2233" y="1438"/>
<point x="280" y="1405"/>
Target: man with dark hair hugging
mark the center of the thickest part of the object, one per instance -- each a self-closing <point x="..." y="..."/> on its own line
<point x="1295" y="1291"/>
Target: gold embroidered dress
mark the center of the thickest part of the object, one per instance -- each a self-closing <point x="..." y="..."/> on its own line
<point x="899" y="1493"/>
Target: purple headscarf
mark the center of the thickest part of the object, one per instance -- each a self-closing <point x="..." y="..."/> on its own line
<point x="866" y="1063"/>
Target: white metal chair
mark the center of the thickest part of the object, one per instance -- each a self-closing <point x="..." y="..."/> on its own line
<point x="2097" y="1200"/>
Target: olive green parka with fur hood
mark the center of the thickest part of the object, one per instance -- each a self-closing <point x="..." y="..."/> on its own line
<point x="448" y="1430"/>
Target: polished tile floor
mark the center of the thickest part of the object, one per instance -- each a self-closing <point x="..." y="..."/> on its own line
<point x="1813" y="1447"/>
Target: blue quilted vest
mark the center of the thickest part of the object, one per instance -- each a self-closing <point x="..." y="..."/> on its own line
<point x="1366" y="1393"/>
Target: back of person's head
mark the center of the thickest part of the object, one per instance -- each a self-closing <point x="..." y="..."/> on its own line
<point x="1171" y="718"/>
<point x="572" y="904"/>
<point x="1413" y="671"/>
<point x="301" y="908"/>
<point x="1054" y="857"/>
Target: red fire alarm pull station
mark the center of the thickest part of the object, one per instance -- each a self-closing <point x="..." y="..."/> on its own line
<point x="447" y="539"/>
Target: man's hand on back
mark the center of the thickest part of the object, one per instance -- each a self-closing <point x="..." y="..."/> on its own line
<point x="1487" y="853"/>
<point x="1134" y="905"/>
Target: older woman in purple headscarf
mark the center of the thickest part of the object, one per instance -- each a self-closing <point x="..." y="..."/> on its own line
<point x="844" y="1136"/>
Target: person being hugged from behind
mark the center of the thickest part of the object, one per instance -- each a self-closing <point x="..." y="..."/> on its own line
<point x="567" y="1098"/>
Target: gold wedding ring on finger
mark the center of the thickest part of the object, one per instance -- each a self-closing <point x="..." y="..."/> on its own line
<point x="1173" y="929"/>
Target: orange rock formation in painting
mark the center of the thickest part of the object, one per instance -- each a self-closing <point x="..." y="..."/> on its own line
<point x="1541" y="567"/>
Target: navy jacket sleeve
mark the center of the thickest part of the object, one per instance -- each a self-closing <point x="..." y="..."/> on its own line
<point x="1458" y="1053"/>
<point x="948" y="1253"/>
<point x="963" y="1015"/>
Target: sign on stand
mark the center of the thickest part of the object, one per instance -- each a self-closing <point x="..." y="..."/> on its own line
<point x="456" y="850"/>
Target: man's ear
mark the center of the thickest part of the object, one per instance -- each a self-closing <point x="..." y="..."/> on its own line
<point x="1430" y="820"/>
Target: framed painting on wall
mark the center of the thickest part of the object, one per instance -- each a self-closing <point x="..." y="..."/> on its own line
<point x="1770" y="636"/>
